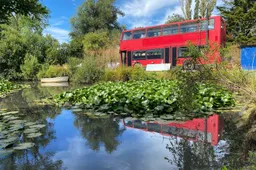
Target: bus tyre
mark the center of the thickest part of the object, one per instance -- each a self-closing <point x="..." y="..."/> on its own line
<point x="188" y="65"/>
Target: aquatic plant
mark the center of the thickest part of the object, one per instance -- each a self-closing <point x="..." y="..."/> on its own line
<point x="17" y="133"/>
<point x="143" y="97"/>
<point x="8" y="87"/>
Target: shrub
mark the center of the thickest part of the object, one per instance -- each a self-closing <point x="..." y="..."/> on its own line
<point x="53" y="71"/>
<point x="73" y="64"/>
<point x="30" y="67"/>
<point x="136" y="73"/>
<point x="90" y="71"/>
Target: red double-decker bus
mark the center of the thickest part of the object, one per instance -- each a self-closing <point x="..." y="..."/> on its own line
<point x="167" y="43"/>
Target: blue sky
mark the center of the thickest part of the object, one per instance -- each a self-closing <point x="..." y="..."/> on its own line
<point x="137" y="13"/>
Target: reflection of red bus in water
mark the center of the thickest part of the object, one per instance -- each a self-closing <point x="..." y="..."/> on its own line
<point x="205" y="130"/>
<point x="167" y="43"/>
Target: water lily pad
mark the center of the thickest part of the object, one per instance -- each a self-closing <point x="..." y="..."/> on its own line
<point x="34" y="130"/>
<point x="5" y="132"/>
<point x="30" y="123"/>
<point x="9" y="140"/>
<point x="37" y="126"/>
<point x="23" y="146"/>
<point x="6" y="145"/>
<point x="15" y="128"/>
<point x="77" y="110"/>
<point x="16" y="121"/>
<point x="5" y="152"/>
<point x="13" y="118"/>
<point x="34" y="135"/>
<point x="7" y="117"/>
<point x="10" y="113"/>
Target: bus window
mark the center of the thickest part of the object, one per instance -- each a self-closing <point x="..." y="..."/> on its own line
<point x="140" y="124"/>
<point x="172" y="29"/>
<point x="204" y="23"/>
<point x="154" y="54"/>
<point x="139" y="34"/>
<point x="127" y="36"/>
<point x="182" y="52"/>
<point x="154" y="32"/>
<point x="188" y="27"/>
<point x="139" y="55"/>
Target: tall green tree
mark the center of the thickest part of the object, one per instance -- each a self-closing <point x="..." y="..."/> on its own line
<point x="95" y="15"/>
<point x="200" y="8"/>
<point x="196" y="10"/>
<point x="241" y="20"/>
<point x="186" y="8"/>
<point x="204" y="4"/>
<point x="174" y="18"/>
<point x="21" y="37"/>
<point x="32" y="8"/>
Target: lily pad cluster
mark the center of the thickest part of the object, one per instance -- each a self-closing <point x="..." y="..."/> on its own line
<point x="152" y="96"/>
<point x="8" y="87"/>
<point x="16" y="133"/>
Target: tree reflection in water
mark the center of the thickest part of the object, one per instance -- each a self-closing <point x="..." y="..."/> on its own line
<point x="99" y="131"/>
<point x="191" y="155"/>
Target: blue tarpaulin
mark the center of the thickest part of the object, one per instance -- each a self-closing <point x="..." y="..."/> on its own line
<point x="248" y="57"/>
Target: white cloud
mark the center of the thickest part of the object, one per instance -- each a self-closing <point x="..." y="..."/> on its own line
<point x="146" y="8"/>
<point x="170" y="12"/>
<point x="141" y="13"/>
<point x="60" y="34"/>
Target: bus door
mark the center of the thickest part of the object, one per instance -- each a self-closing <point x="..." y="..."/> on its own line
<point x="167" y="55"/>
<point x="123" y="58"/>
<point x="129" y="58"/>
<point x="174" y="56"/>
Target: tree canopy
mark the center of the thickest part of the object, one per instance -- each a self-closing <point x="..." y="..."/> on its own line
<point x="174" y="18"/>
<point x="95" y="15"/>
<point x="32" y="8"/>
<point x="240" y="19"/>
<point x="199" y="10"/>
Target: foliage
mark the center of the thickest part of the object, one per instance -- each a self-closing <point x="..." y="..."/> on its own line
<point x="30" y="67"/>
<point x="73" y="64"/>
<point x="240" y="19"/>
<point x="95" y="41"/>
<point x="90" y="71"/>
<point x="23" y="36"/>
<point x="126" y="74"/>
<point x="47" y="71"/>
<point x="20" y="37"/>
<point x="12" y="52"/>
<point x="7" y="87"/>
<point x="31" y="8"/>
<point x="196" y="10"/>
<point x="76" y="47"/>
<point x="95" y="15"/>
<point x="186" y="8"/>
<point x="252" y="161"/>
<point x="153" y="96"/>
<point x="174" y="18"/>
<point x="204" y="4"/>
<point x="200" y="7"/>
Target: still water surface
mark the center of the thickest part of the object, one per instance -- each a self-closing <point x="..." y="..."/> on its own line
<point x="75" y="141"/>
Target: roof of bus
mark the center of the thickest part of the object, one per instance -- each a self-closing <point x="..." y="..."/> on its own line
<point x="173" y="23"/>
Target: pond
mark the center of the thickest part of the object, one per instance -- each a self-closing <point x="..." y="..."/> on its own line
<point x="74" y="140"/>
